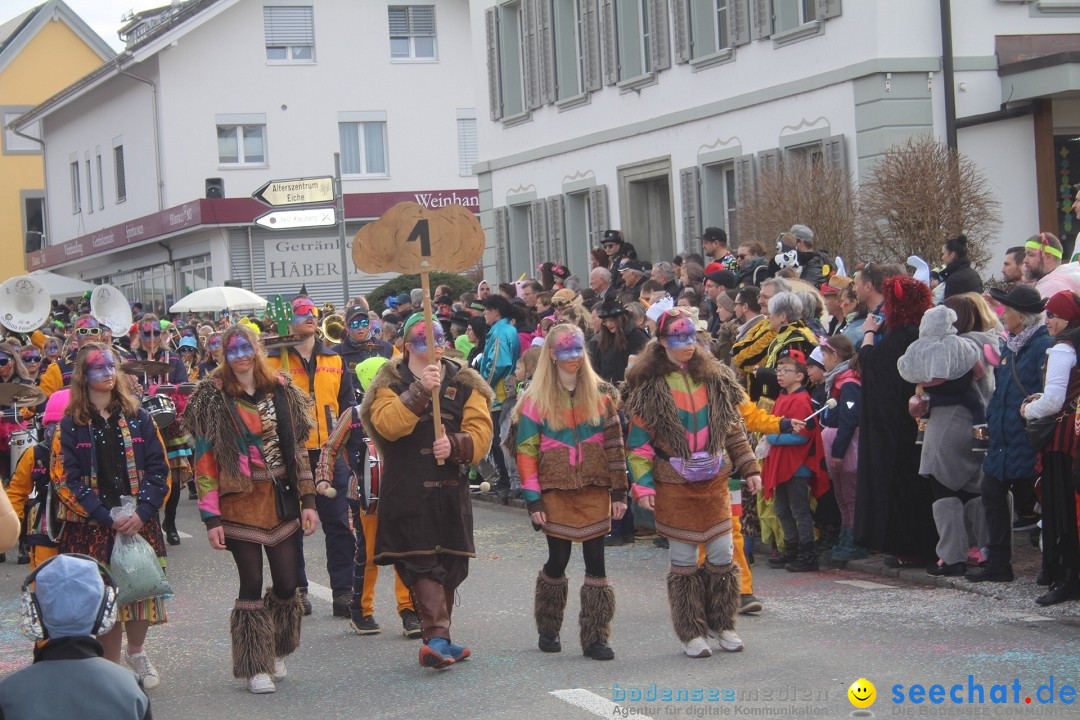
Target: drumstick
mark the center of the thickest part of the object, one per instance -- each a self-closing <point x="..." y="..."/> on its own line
<point x="829" y="405"/>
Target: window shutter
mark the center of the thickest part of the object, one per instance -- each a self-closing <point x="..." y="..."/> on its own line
<point x="590" y="44"/>
<point x="827" y="9"/>
<point x="768" y="161"/>
<point x="399" y="20"/>
<point x="738" y="22"/>
<point x="422" y="20"/>
<point x="744" y="188"/>
<point x="835" y="155"/>
<point x="289" y="25"/>
<point x="556" y="229"/>
<point x="659" y="34"/>
<point x="598" y="213"/>
<point x="538" y="218"/>
<point x="502" y="243"/>
<point x="689" y="181"/>
<point x="530" y="53"/>
<point x="545" y="47"/>
<point x="680" y="10"/>
<point x="761" y="19"/>
<point x="608" y="36"/>
<point x="491" y="22"/>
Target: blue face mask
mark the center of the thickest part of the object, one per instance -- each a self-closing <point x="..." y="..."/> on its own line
<point x="570" y="346"/>
<point x="100" y="368"/>
<point x="239" y="349"/>
<point x="419" y="341"/>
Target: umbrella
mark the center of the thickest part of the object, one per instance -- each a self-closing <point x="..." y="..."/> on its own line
<point x="60" y="286"/>
<point x="218" y="298"/>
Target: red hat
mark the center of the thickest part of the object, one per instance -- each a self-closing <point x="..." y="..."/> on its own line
<point x="713" y="267"/>
<point x="1065" y="306"/>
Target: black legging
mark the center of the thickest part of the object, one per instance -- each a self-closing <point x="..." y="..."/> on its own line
<point x="283" y="567"/>
<point x="175" y="477"/>
<point x="559" y="556"/>
<point x="941" y="491"/>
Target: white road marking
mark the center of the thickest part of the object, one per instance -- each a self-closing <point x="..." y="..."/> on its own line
<point x="866" y="584"/>
<point x="183" y="535"/>
<point x="588" y="701"/>
<point x="320" y="591"/>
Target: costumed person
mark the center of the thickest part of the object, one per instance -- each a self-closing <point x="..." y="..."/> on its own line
<point x="66" y="602"/>
<point x="255" y="493"/>
<point x="348" y="437"/>
<point x="213" y="356"/>
<point x="151" y="347"/>
<point x="86" y="330"/>
<point x="425" y="525"/>
<point x="359" y="343"/>
<point x="892" y="501"/>
<point x="188" y="350"/>
<point x="573" y="474"/>
<point x="320" y="372"/>
<point x="686" y="437"/>
<point x="12" y="370"/>
<point x="111" y="448"/>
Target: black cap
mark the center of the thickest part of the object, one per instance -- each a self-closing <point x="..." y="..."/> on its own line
<point x="355" y="310"/>
<point x="723" y="278"/>
<point x="460" y="318"/>
<point x="612" y="236"/>
<point x="611" y="308"/>
<point x="1023" y="298"/>
<point x="714" y="234"/>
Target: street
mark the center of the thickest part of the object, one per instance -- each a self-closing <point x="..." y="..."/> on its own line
<point x="818" y="634"/>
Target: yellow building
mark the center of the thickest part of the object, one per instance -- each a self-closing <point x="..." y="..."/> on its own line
<point x="42" y="51"/>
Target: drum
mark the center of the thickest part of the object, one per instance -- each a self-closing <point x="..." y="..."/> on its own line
<point x="187" y="388"/>
<point x="371" y="470"/>
<point x="21" y="441"/>
<point x="161" y="408"/>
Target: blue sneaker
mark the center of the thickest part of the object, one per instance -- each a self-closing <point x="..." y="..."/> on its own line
<point x="459" y="653"/>
<point x="436" y="654"/>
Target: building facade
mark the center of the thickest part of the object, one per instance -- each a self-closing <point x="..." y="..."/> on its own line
<point x="153" y="160"/>
<point x="655" y="116"/>
<point x="42" y="51"/>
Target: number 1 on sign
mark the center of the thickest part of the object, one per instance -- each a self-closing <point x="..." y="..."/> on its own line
<point x="420" y="230"/>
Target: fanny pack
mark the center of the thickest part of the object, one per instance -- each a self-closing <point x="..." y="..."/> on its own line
<point x="699" y="467"/>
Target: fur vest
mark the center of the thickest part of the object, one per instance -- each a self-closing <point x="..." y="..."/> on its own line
<point x="647" y="396"/>
<point x="208" y="417"/>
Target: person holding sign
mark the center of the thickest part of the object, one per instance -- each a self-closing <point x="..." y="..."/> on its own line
<point x="425" y="526"/>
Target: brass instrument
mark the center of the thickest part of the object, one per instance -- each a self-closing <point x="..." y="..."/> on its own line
<point x="332" y="328"/>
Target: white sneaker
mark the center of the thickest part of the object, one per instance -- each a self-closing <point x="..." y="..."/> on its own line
<point x="148" y="674"/>
<point x="279" y="669"/>
<point x="697" y="648"/>
<point x="730" y="641"/>
<point x="261" y="684"/>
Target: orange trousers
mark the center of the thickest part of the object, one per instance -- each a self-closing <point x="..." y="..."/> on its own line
<point x="370" y="524"/>
<point x="746" y="580"/>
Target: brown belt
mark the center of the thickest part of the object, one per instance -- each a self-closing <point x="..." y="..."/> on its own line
<point x="441" y="483"/>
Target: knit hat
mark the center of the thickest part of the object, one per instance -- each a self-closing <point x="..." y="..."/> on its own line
<point x="724" y="300"/>
<point x="1064" y="305"/>
<point x="366" y="371"/>
<point x="69" y="592"/>
<point x="56" y="405"/>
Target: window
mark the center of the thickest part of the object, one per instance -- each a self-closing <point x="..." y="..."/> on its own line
<point x="363" y="147"/>
<point x="17" y="144"/>
<point x="33" y="213"/>
<point x="708" y="27"/>
<point x="468" y="150"/>
<point x="632" y="29"/>
<point x="290" y="33"/>
<point x="510" y="60"/>
<point x="718" y="197"/>
<point x="118" y="171"/>
<point x="193" y="274"/>
<point x="790" y="14"/>
<point x="569" y="58"/>
<point x="241" y="144"/>
<point x="412" y="32"/>
<point x="814" y="152"/>
<point x="76" y="189"/>
<point x="100" y="181"/>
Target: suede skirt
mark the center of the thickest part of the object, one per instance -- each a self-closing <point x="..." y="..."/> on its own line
<point x="693" y="512"/>
<point x="578" y="515"/>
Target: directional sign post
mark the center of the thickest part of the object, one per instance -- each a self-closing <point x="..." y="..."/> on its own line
<point x="299" y="218"/>
<point x="297" y="191"/>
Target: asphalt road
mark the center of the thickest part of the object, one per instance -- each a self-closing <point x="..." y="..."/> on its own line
<point x="818" y="634"/>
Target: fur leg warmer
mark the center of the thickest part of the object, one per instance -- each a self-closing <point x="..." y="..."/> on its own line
<point x="597" y="611"/>
<point x="286" y="615"/>
<point x="721" y="586"/>
<point x="549" y="604"/>
<point x="252" y="631"/>
<point x="686" y="595"/>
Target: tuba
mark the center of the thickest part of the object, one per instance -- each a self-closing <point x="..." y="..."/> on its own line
<point x="332" y="328"/>
<point x="25" y="304"/>
<point x="111" y="309"/>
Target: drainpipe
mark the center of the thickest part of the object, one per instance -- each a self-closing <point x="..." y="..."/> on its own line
<point x="948" y="74"/>
<point x="45" y="205"/>
<point x="157" y="129"/>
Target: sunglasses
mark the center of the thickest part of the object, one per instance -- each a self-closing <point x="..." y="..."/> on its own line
<point x="151" y="333"/>
<point x="359" y="323"/>
<point x="84" y="331"/>
<point x="186" y="349"/>
<point x="31" y="358"/>
<point x="4" y="361"/>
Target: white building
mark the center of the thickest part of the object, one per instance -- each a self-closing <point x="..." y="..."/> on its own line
<point x="151" y="161"/>
<point x="653" y="115"/>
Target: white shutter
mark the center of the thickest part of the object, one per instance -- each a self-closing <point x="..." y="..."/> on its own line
<point x="468" y="148"/>
<point x="761" y="18"/>
<point x="545" y="48"/>
<point x="491" y="22"/>
<point x="598" y="212"/>
<point x="835" y="155"/>
<point x="680" y="11"/>
<point x="530" y="53"/>
<point x="609" y="34"/>
<point x="502" y="243"/>
<point x="689" y="189"/>
<point x="289" y="25"/>
<point x="556" y="226"/>
<point x="538" y="218"/>
<point x="590" y="44"/>
<point x="768" y="161"/>
<point x="827" y="9"/>
<point x="659" y="35"/>
<point x="738" y="22"/>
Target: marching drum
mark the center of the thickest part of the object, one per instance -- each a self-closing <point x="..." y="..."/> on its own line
<point x="161" y="408"/>
<point x="187" y="388"/>
<point x="371" y="466"/>
<point x="21" y="441"/>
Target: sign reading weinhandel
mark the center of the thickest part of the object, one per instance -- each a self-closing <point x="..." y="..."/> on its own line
<point x="298" y="191"/>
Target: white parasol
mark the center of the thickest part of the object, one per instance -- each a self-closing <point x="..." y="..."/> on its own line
<point x="215" y="299"/>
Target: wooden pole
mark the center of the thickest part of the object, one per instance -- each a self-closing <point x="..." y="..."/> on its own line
<point x="436" y="413"/>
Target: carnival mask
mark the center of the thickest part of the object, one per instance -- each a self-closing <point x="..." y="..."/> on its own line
<point x="239" y="349"/>
<point x="419" y="338"/>
<point x="100" y="367"/>
<point x="569" y="346"/>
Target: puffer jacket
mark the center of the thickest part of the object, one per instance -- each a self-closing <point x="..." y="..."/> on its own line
<point x="1009" y="456"/>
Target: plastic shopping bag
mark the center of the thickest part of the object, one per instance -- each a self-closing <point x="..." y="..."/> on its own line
<point x="134" y="565"/>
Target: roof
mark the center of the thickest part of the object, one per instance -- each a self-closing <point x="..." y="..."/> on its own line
<point x="11" y="28"/>
<point x="19" y="30"/>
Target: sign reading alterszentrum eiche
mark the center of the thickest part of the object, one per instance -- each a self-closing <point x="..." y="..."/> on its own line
<point x="296" y="191"/>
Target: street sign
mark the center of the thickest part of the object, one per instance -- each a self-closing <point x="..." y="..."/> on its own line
<point x="294" y="219"/>
<point x="298" y="191"/>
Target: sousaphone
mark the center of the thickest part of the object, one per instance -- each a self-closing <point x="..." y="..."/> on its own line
<point x="111" y="309"/>
<point x="24" y="304"/>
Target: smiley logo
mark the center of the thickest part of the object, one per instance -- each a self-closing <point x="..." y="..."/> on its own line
<point x="862" y="693"/>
